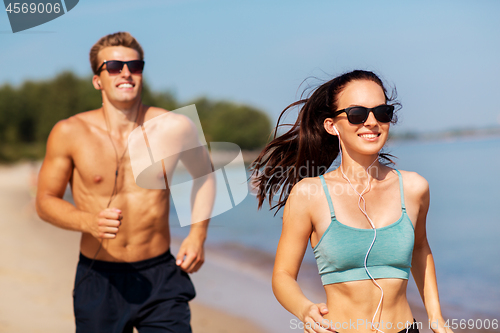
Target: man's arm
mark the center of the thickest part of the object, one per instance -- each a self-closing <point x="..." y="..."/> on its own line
<point x="197" y="162"/>
<point x="52" y="181"/>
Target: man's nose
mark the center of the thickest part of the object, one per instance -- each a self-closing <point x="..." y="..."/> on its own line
<point x="125" y="71"/>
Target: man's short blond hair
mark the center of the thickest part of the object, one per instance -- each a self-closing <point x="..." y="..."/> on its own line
<point x="117" y="39"/>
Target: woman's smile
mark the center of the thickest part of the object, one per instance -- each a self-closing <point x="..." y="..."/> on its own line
<point x="371" y="137"/>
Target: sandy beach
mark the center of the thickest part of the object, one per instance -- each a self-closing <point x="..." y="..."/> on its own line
<point x="38" y="262"/>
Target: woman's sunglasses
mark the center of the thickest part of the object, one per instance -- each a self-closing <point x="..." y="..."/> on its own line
<point x="358" y="114"/>
<point x="116" y="66"/>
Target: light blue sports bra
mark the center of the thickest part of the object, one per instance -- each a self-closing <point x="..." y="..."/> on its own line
<point x="341" y="251"/>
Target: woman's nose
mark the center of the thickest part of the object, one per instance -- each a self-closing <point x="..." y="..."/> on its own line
<point x="370" y="121"/>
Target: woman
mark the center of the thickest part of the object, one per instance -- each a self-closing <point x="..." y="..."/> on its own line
<point x="365" y="220"/>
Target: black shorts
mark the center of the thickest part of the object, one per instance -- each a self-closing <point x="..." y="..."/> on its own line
<point x="151" y="295"/>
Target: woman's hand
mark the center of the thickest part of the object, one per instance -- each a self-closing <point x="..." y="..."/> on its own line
<point x="439" y="326"/>
<point x="312" y="317"/>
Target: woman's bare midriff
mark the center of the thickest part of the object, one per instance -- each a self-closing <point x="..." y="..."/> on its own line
<point x="352" y="305"/>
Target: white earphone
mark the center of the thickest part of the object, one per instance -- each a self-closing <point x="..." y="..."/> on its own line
<point x="336" y="131"/>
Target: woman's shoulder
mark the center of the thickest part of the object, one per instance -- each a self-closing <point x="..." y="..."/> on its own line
<point x="414" y="182"/>
<point x="302" y="200"/>
<point x="305" y="192"/>
<point x="306" y="186"/>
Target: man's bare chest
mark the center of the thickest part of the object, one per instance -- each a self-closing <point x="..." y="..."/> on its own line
<point x="97" y="165"/>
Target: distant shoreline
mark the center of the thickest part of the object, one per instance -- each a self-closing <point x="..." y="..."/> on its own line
<point x="459" y="133"/>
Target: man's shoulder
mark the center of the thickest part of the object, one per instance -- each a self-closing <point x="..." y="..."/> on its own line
<point x="153" y="111"/>
<point x="174" y="121"/>
<point x="76" y="123"/>
<point x="68" y="132"/>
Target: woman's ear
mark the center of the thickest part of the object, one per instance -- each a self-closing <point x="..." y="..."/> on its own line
<point x="330" y="128"/>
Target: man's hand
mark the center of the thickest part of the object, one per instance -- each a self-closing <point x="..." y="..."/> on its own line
<point x="191" y="254"/>
<point x="105" y="224"/>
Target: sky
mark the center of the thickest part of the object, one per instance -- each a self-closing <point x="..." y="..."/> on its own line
<point x="442" y="56"/>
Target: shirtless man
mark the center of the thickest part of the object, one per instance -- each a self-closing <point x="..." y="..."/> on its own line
<point x="134" y="281"/>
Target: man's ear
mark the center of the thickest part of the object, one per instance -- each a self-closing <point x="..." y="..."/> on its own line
<point x="330" y="128"/>
<point x="96" y="81"/>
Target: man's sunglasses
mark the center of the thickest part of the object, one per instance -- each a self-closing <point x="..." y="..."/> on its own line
<point x="116" y="66"/>
<point x="358" y="114"/>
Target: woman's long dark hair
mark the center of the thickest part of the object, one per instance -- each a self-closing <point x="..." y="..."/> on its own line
<point x="306" y="150"/>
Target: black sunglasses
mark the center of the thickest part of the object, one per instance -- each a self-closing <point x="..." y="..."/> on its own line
<point x="358" y="114"/>
<point x="116" y="66"/>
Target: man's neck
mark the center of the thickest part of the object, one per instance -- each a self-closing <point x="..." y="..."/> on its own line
<point x="121" y="118"/>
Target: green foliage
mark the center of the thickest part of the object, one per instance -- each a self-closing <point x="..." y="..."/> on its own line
<point x="224" y="121"/>
<point x="28" y="113"/>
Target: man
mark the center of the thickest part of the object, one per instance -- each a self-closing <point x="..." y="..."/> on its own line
<point x="126" y="276"/>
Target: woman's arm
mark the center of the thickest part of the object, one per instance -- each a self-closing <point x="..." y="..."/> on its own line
<point x="423" y="268"/>
<point x="297" y="228"/>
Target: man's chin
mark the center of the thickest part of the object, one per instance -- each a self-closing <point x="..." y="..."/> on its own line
<point x="126" y="99"/>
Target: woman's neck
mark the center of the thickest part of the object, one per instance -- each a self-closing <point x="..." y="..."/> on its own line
<point x="356" y="168"/>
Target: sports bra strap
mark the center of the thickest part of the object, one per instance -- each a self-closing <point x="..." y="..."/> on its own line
<point x="401" y="189"/>
<point x="325" y="188"/>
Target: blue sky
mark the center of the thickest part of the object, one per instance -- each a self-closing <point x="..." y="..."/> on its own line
<point x="443" y="56"/>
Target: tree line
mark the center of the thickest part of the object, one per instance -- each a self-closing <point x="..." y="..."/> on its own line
<point x="28" y="113"/>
